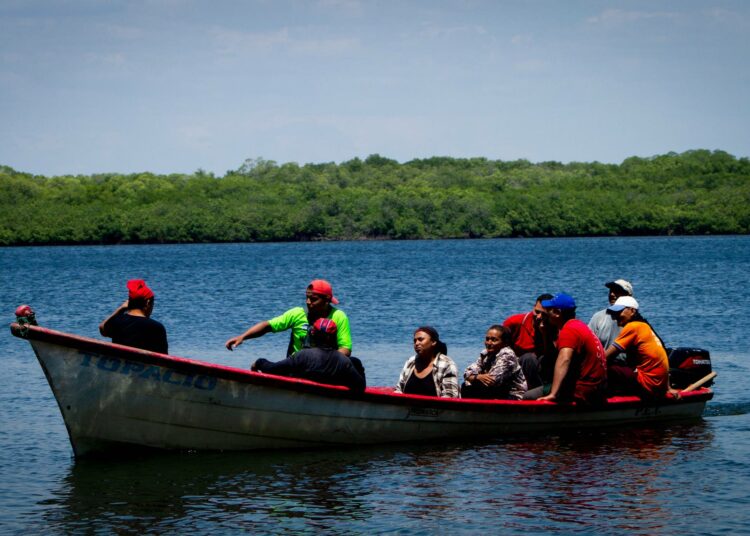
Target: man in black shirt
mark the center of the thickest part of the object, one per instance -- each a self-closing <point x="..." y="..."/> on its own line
<point x="321" y="363"/>
<point x="130" y="324"/>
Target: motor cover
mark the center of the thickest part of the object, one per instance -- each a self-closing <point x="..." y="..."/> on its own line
<point x="687" y="366"/>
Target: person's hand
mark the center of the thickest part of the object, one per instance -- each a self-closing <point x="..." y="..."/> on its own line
<point x="123" y="306"/>
<point x="486" y="380"/>
<point x="234" y="342"/>
<point x="550" y="397"/>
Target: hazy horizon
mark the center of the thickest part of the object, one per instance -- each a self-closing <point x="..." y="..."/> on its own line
<point x="173" y="86"/>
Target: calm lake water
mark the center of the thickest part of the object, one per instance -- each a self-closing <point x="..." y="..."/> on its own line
<point x="689" y="478"/>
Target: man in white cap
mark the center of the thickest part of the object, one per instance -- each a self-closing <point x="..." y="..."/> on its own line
<point x="646" y="372"/>
<point x="603" y="324"/>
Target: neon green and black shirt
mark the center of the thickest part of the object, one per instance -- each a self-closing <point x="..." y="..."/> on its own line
<point x="296" y="320"/>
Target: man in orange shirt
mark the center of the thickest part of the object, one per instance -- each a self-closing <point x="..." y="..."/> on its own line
<point x="646" y="371"/>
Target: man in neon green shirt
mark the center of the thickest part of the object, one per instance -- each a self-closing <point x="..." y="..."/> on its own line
<point x="319" y="297"/>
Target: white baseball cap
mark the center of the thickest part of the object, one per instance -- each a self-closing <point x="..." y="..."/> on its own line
<point x="624" y="285"/>
<point x="623" y="302"/>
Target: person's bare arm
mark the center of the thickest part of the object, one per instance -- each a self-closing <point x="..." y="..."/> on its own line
<point x="485" y="379"/>
<point x="103" y="328"/>
<point x="611" y="352"/>
<point x="258" y="330"/>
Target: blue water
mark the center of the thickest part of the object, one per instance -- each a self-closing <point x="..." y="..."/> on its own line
<point x="689" y="478"/>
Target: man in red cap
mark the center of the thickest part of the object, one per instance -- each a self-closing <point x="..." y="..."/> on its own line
<point x="319" y="299"/>
<point x="130" y="324"/>
<point x="321" y="363"/>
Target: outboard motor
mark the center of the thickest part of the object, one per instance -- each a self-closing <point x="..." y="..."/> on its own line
<point x="687" y="366"/>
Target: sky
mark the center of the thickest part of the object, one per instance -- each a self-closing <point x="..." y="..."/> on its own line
<point x="176" y="86"/>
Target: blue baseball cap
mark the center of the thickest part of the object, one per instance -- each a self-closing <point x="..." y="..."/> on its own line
<point x="560" y="301"/>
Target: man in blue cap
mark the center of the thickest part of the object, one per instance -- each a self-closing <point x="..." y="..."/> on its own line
<point x="580" y="369"/>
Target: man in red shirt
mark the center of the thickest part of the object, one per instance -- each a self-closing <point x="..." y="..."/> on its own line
<point x="528" y="341"/>
<point x="580" y="369"/>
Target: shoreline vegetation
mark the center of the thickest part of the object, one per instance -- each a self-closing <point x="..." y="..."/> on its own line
<point x="692" y="193"/>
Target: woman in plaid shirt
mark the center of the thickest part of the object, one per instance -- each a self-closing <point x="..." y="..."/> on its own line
<point x="430" y="372"/>
<point x="497" y="372"/>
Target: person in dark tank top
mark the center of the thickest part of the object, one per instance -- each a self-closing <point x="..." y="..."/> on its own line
<point x="131" y="323"/>
<point x="429" y="372"/>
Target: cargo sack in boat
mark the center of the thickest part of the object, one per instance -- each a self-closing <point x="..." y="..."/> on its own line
<point x="688" y="365"/>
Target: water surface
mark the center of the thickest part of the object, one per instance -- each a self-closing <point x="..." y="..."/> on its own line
<point x="682" y="478"/>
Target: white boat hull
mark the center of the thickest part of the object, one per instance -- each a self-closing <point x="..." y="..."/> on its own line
<point x="115" y="397"/>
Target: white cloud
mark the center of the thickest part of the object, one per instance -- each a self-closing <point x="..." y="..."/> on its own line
<point x="531" y="65"/>
<point x="621" y="16"/>
<point x="729" y="18"/>
<point x="236" y="43"/>
<point x="233" y="42"/>
<point x="195" y="136"/>
<point x="433" y="31"/>
<point x="10" y="57"/>
<point x="521" y="40"/>
<point x="115" y="59"/>
<point x="126" y="33"/>
<point x="324" y="47"/>
<point x="354" y="7"/>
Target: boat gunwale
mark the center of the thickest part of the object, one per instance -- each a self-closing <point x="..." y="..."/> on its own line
<point x="382" y="395"/>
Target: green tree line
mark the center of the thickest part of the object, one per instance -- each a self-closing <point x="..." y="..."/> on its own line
<point x="695" y="192"/>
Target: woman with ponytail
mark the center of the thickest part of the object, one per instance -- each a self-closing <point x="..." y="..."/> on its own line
<point x="429" y="372"/>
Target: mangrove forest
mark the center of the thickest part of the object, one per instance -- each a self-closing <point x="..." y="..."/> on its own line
<point x="695" y="192"/>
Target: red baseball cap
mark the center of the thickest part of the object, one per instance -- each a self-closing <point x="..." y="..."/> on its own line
<point x="324" y="325"/>
<point x="137" y="289"/>
<point x="322" y="287"/>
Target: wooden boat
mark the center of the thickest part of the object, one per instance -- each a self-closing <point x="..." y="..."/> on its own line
<point x="114" y="397"/>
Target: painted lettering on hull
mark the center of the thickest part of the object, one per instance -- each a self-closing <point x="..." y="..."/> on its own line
<point x="423" y="412"/>
<point x="140" y="371"/>
<point x="647" y="412"/>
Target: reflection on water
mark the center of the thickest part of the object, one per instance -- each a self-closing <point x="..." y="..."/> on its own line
<point x="168" y="490"/>
<point x="558" y="479"/>
<point x="567" y="477"/>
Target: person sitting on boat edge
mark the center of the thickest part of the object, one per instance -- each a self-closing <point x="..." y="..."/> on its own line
<point x="430" y="372"/>
<point x="496" y="373"/>
<point x="580" y="368"/>
<point x="529" y="342"/>
<point x="321" y="363"/>
<point x="645" y="372"/>
<point x="318" y="298"/>
<point x="603" y="323"/>
<point x="131" y="323"/>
